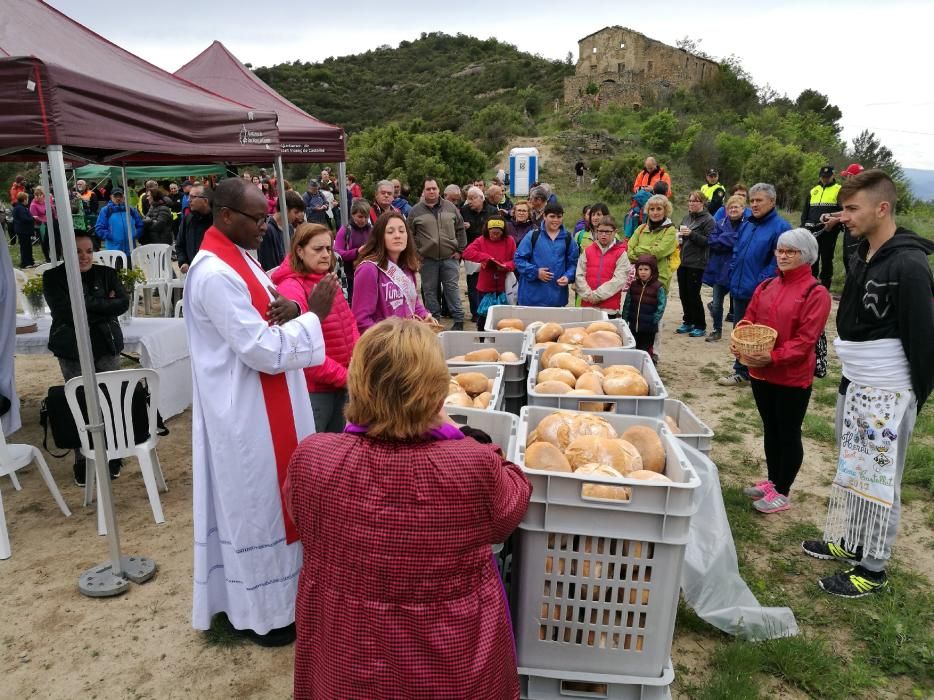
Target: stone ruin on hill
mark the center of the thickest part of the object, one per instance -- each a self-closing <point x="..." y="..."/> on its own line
<point x="629" y="68"/>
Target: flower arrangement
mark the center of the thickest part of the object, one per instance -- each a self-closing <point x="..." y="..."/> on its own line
<point x="35" y="299"/>
<point x="130" y="277"/>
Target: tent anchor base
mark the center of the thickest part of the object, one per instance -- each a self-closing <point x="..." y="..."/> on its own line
<point x="100" y="581"/>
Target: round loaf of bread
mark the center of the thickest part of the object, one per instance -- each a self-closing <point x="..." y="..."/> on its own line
<point x="482" y="400"/>
<point x="552" y="387"/>
<point x="633" y="452"/>
<point x="625" y="384"/>
<point x="553" y="428"/>
<point x="579" y="424"/>
<point x="649" y="445"/>
<point x="646" y="475"/>
<point x="549" y="331"/>
<point x="672" y="425"/>
<point x="484" y="355"/>
<point x="602" y="339"/>
<point x="508" y="356"/>
<point x="601" y="326"/>
<point x="565" y="360"/>
<point x="590" y="381"/>
<point x="472" y="382"/>
<point x="590" y="448"/>
<point x="459" y="399"/>
<point x="557" y="374"/>
<point x="515" y="323"/>
<point x="621" y="369"/>
<point x="545" y="456"/>
<point x="574" y="336"/>
<point x="550" y="351"/>
<point x="604" y="491"/>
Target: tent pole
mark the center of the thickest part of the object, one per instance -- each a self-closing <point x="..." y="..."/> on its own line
<point x="283" y="211"/>
<point x="129" y="225"/>
<point x="49" y="228"/>
<point x="342" y="183"/>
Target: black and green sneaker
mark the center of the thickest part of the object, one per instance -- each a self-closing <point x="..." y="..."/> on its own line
<point x="854" y="583"/>
<point x="831" y="550"/>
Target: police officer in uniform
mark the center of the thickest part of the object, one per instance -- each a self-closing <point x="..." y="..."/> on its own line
<point x="821" y="200"/>
<point x="713" y="191"/>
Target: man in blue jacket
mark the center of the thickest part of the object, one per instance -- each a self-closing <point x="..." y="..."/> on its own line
<point x="753" y="261"/>
<point x="111" y="223"/>
<point x="546" y="262"/>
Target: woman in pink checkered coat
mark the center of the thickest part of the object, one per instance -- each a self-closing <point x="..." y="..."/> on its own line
<point x="399" y="596"/>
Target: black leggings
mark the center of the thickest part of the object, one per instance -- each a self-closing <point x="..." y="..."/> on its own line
<point x="782" y="409"/>
<point x="689" y="286"/>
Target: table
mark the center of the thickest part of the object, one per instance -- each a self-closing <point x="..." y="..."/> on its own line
<point x="162" y="344"/>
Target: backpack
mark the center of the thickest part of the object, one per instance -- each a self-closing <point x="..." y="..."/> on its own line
<point x="567" y="241"/>
<point x="820" y="347"/>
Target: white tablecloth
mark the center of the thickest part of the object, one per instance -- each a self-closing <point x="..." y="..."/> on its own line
<point x="162" y="345"/>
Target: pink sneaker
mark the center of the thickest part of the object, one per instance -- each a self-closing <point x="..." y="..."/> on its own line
<point x="772" y="501"/>
<point x="758" y="489"/>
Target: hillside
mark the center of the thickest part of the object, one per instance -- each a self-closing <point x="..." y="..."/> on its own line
<point x="439" y="78"/>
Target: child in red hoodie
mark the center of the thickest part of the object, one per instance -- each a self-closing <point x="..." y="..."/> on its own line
<point x="310" y="258"/>
<point x="494" y="250"/>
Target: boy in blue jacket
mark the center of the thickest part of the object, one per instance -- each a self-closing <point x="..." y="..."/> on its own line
<point x="546" y="261"/>
<point x="111" y="224"/>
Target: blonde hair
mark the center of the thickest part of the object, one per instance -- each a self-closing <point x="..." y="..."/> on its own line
<point x="397" y="380"/>
<point x="736" y="199"/>
<point x="660" y="199"/>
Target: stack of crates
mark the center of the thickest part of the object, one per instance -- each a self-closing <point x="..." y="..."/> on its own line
<point x="456" y="343"/>
<point x="596" y="581"/>
<point x="693" y="432"/>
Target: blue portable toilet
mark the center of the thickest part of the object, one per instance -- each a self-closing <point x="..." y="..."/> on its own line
<point x="523" y="170"/>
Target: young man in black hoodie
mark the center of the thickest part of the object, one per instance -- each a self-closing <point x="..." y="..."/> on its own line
<point x="885" y="325"/>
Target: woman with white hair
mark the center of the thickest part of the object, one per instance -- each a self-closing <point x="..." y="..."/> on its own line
<point x="796" y="305"/>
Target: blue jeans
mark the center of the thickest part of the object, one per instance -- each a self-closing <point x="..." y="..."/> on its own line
<point x="716" y="306"/>
<point x="447" y="273"/>
<point x="739" y="310"/>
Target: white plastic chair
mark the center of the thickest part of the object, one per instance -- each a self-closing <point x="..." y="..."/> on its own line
<point x="21" y="279"/>
<point x="13" y="457"/>
<point x="110" y="258"/>
<point x="179" y="308"/>
<point x="118" y="432"/>
<point x="39" y="269"/>
<point x="154" y="259"/>
<point x="177" y="281"/>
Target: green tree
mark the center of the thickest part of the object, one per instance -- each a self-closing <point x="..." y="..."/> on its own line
<point x="778" y="164"/>
<point x="660" y="130"/>
<point x="491" y="126"/>
<point x="813" y="101"/>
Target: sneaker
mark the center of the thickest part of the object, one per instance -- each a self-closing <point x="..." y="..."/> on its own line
<point x="80" y="469"/>
<point x="772" y="501"/>
<point x="697" y="333"/>
<point x="457" y="326"/>
<point x="713" y="337"/>
<point x="854" y="583"/>
<point x="733" y="380"/>
<point x="820" y="549"/>
<point x="684" y="328"/>
<point x="757" y="490"/>
<point x="115" y="465"/>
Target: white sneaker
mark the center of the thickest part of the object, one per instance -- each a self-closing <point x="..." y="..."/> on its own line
<point x="732" y="380"/>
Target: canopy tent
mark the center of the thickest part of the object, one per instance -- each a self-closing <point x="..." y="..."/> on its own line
<point x="152" y="172"/>
<point x="303" y="138"/>
<point x="60" y="83"/>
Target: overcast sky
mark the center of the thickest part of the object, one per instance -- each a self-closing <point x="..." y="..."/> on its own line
<point x="872" y="58"/>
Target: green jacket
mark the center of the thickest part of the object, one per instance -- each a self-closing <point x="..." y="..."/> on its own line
<point x="662" y="243"/>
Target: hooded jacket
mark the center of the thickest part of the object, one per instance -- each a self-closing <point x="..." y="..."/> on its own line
<point x="891" y="297"/>
<point x="558" y="255"/>
<point x="754" y="253"/>
<point x="721" y="244"/>
<point x="694" y="246"/>
<point x="111" y="226"/>
<point x="645" y="302"/>
<point x="339" y="328"/>
<point x="659" y="242"/>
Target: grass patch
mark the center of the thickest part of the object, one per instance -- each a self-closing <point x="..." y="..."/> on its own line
<point x="745" y="402"/>
<point x="688" y="621"/>
<point x="687" y="396"/>
<point x="222" y="633"/>
<point x="709" y="373"/>
<point x="728" y="433"/>
<point x="819" y="429"/>
<point x="825" y="399"/>
<point x="919" y="466"/>
<point x="743" y="520"/>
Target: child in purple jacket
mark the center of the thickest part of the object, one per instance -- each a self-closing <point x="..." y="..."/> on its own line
<point x="351" y="238"/>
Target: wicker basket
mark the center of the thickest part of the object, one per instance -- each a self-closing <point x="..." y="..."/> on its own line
<point x="752" y="337"/>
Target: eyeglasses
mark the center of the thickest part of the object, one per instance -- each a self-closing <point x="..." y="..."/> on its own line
<point x="201" y="196"/>
<point x="786" y="252"/>
<point x="260" y="220"/>
<point x="606" y="230"/>
<point x="694" y="201"/>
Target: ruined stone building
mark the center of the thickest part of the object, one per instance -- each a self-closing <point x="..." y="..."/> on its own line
<point x="629" y="68"/>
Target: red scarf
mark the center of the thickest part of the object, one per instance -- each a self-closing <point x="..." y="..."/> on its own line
<point x="275" y="387"/>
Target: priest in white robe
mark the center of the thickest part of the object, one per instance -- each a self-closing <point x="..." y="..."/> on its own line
<point x="250" y="409"/>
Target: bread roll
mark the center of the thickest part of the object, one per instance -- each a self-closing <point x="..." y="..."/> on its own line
<point x="482" y="400"/>
<point x="485" y="355"/>
<point x="621" y="369"/>
<point x="509" y="330"/>
<point x="550" y="351"/>
<point x="625" y="384"/>
<point x="552" y="387"/>
<point x="590" y="381"/>
<point x="508" y="357"/>
<point x="602" y="326"/>
<point x="649" y="445"/>
<point x="574" y="336"/>
<point x="602" y="339"/>
<point x="557" y="374"/>
<point x="633" y="452"/>
<point x="552" y="427"/>
<point x="672" y="425"/>
<point x="510" y="323"/>
<point x="545" y="456"/>
<point x="549" y="331"/>
<point x="459" y="399"/>
<point x="646" y="475"/>
<point x="472" y="382"/>
<point x="575" y="365"/>
<point x="589" y="448"/>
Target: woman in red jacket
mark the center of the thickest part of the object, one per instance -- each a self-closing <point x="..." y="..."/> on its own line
<point x="310" y="258"/>
<point x="494" y="250"/>
<point x="796" y="305"/>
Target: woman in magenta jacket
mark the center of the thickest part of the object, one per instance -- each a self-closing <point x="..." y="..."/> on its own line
<point x="796" y="305"/>
<point x="310" y="258"/>
<point x="384" y="279"/>
<point x="494" y="250"/>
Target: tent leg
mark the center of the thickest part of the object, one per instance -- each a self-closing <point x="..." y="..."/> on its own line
<point x="283" y="212"/>
<point x="106" y="579"/>
<point x="342" y="183"/>
<point x="49" y="228"/>
<point x="129" y="220"/>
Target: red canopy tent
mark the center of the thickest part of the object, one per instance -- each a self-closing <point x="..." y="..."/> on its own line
<point x="303" y="138"/>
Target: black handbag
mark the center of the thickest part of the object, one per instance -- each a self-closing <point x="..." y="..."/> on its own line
<point x="55" y="416"/>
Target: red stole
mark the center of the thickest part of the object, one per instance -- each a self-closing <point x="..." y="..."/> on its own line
<point x="275" y="387"/>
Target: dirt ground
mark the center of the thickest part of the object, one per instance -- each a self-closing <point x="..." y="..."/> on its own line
<point x="56" y="643"/>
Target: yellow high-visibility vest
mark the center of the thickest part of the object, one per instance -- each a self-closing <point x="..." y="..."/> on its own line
<point x="824" y="195"/>
<point x="709" y="190"/>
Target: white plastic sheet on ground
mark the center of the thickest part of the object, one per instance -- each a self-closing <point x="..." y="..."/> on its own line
<point x="710" y="577"/>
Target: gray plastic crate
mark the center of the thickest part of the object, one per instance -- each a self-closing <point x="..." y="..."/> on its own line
<point x="454" y="343"/>
<point x="500" y="426"/>
<point x="693" y="432"/>
<point x="629" y="342"/>
<point x="494" y="372"/>
<point x="545" y="314"/>
<point x="539" y="684"/>
<point x="514" y="404"/>
<point x="596" y="582"/>
<point x="651" y="406"/>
